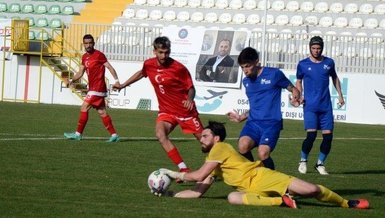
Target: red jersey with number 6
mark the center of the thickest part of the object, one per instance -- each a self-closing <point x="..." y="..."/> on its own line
<point x="171" y="85"/>
<point x="94" y="64"/>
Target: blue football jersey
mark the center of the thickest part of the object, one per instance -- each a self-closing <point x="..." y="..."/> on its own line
<point x="264" y="94"/>
<point x="315" y="79"/>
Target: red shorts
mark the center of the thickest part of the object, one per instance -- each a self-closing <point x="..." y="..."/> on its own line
<point x="187" y="124"/>
<point x="95" y="101"/>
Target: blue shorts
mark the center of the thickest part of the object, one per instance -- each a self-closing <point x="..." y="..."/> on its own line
<point x="263" y="132"/>
<point x="318" y="120"/>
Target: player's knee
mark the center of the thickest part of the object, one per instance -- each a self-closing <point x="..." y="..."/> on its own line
<point x="235" y="198"/>
<point x="311" y="136"/>
<point x="314" y="190"/>
<point x="263" y="153"/>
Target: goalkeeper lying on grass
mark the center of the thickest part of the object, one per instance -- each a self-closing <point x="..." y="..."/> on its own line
<point x="255" y="184"/>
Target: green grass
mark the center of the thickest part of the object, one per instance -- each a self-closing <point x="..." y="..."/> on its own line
<point x="43" y="175"/>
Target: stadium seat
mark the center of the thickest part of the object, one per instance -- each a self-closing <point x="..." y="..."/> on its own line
<point x="183" y="16"/>
<point x="235" y="4"/>
<point x="269" y="19"/>
<point x="321" y="7"/>
<point x="166" y="3"/>
<point x="80" y="1"/>
<point x="55" y="23"/>
<point x="296" y="20"/>
<point x="197" y="16"/>
<point x="371" y="23"/>
<point x="341" y="22"/>
<point x="346" y="36"/>
<point x="14" y="8"/>
<point x="278" y="5"/>
<point x="155" y="14"/>
<point x="42" y="36"/>
<point x="249" y="4"/>
<point x="54" y="9"/>
<point x="332" y="34"/>
<point x="282" y="19"/>
<point x="336" y="51"/>
<point x="379" y="9"/>
<point x="128" y="13"/>
<point x="221" y="4"/>
<point x="105" y="38"/>
<point x="169" y="15"/>
<point x="336" y="7"/>
<point x="382" y="24"/>
<point x="208" y="3"/>
<point x="315" y="33"/>
<point x="153" y="2"/>
<point x="41" y="22"/>
<point x="274" y="47"/>
<point x="351" y="8"/>
<point x="31" y="35"/>
<point x="180" y="3"/>
<point x="355" y="22"/>
<point x="211" y="17"/>
<point x="225" y="18"/>
<point x="311" y="20"/>
<point x="350" y="51"/>
<point x="366" y="8"/>
<point x="194" y="3"/>
<point x="292" y="6"/>
<point x="68" y="10"/>
<point x="253" y="19"/>
<point x="239" y="18"/>
<point x="140" y="2"/>
<point x="290" y="48"/>
<point x="286" y="34"/>
<point x="64" y="0"/>
<point x="264" y="4"/>
<point x="379" y="52"/>
<point x="141" y="14"/>
<point x="307" y="6"/>
<point x="3" y="7"/>
<point x="361" y="37"/>
<point x="326" y="21"/>
<point x="41" y="9"/>
<point x="31" y="21"/>
<point x="27" y="8"/>
<point x="272" y="33"/>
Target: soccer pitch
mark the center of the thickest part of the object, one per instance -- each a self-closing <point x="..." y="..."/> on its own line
<point x="44" y="175"/>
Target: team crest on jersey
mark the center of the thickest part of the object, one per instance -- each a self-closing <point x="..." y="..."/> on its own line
<point x="326" y="67"/>
<point x="265" y="81"/>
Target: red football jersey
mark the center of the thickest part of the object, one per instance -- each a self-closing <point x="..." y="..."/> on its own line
<point x="171" y="85"/>
<point x="94" y="64"/>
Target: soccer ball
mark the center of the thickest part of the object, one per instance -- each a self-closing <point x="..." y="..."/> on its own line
<point x="158" y="182"/>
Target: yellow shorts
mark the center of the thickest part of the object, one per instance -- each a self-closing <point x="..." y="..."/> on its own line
<point x="269" y="183"/>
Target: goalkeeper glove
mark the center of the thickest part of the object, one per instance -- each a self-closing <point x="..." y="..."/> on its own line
<point x="173" y="174"/>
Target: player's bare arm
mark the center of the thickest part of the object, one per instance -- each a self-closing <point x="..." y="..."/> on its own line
<point x="113" y="72"/>
<point x="235" y="117"/>
<point x="337" y="85"/>
<point x="298" y="85"/>
<point x="199" y="189"/>
<point x="78" y="74"/>
<point x="189" y="103"/>
<point x="137" y="76"/>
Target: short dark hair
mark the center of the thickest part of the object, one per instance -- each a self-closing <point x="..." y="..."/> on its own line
<point x="88" y="36"/>
<point x="218" y="129"/>
<point x="162" y="42"/>
<point x="248" y="55"/>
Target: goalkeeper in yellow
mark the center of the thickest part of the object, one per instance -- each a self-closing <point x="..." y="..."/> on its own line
<point x="254" y="184"/>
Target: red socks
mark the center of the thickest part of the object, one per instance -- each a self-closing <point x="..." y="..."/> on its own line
<point x="175" y="156"/>
<point x="108" y="124"/>
<point x="83" y="118"/>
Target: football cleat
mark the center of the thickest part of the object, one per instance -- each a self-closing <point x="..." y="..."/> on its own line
<point x="114" y="138"/>
<point x="288" y="201"/>
<point x="72" y="136"/>
<point x="321" y="169"/>
<point x="359" y="204"/>
<point x="302" y="168"/>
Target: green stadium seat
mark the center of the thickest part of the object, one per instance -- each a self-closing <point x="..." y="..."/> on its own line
<point x="54" y="9"/>
<point x="42" y="36"/>
<point x="41" y="22"/>
<point x="27" y="8"/>
<point x="41" y="9"/>
<point x="14" y="8"/>
<point x="55" y="23"/>
<point x="3" y="7"/>
<point x="31" y="35"/>
<point x="68" y="10"/>
<point x="64" y="0"/>
<point x="31" y="21"/>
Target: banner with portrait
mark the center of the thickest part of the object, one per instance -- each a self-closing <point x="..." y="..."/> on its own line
<point x="210" y="55"/>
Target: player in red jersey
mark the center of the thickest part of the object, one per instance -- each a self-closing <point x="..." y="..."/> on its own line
<point x="94" y="64"/>
<point x="175" y="92"/>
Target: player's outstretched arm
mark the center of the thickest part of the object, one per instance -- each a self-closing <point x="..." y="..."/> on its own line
<point x="137" y="76"/>
<point x="199" y="189"/>
<point x="235" y="117"/>
<point x="113" y="73"/>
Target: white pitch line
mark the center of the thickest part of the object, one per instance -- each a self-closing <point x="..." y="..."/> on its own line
<point x="21" y="138"/>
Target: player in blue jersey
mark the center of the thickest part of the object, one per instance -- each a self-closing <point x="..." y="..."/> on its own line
<point x="264" y="119"/>
<point x="314" y="72"/>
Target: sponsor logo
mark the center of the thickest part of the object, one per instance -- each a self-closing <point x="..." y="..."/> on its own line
<point x="183" y="33"/>
<point x="211" y="101"/>
<point x="381" y="97"/>
<point x="265" y="81"/>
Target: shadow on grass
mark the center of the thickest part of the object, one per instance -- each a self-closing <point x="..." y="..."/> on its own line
<point x="365" y="172"/>
<point x="374" y="192"/>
